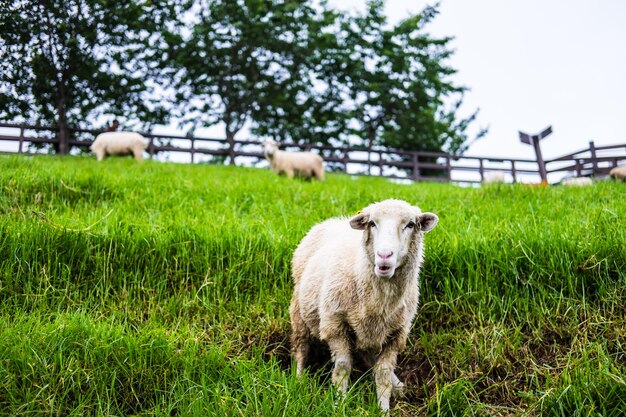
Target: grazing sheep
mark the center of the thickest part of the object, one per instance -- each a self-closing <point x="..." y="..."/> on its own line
<point x="357" y="289"/>
<point x="495" y="177"/>
<point x="119" y="143"/>
<point x="618" y="173"/>
<point x="576" y="181"/>
<point x="304" y="164"/>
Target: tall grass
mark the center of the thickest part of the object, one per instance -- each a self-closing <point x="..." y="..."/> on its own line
<point x="163" y="289"/>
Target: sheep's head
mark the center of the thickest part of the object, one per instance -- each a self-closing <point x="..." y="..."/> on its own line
<point x="393" y="230"/>
<point x="270" y="147"/>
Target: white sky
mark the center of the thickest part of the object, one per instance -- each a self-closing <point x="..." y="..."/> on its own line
<point x="534" y="63"/>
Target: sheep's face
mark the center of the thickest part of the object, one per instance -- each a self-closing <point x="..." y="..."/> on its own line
<point x="270" y="147"/>
<point x="391" y="227"/>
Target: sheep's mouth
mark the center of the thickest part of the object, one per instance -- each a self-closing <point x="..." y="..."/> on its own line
<point x="384" y="271"/>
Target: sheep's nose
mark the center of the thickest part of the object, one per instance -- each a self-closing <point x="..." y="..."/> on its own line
<point x="384" y="254"/>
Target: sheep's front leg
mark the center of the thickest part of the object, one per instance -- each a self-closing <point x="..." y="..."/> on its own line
<point x="137" y="153"/>
<point x="386" y="379"/>
<point x="340" y="351"/>
<point x="336" y="335"/>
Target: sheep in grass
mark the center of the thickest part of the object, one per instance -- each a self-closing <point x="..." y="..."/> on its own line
<point x="356" y="288"/>
<point x="304" y="164"/>
<point x="618" y="173"/>
<point x="119" y="143"/>
<point x="576" y="181"/>
<point x="494" y="177"/>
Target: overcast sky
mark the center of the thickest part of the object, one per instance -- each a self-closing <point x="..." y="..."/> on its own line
<point x="534" y="63"/>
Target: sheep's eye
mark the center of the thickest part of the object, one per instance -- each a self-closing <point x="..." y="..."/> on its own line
<point x="410" y="225"/>
<point x="372" y="224"/>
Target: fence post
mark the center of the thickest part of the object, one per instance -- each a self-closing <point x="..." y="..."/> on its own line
<point x="592" y="150"/>
<point x="449" y="167"/>
<point x="151" y="147"/>
<point x="481" y="170"/>
<point x="193" y="150"/>
<point x="369" y="158"/>
<point x="230" y="139"/>
<point x="513" y="171"/>
<point x="380" y="163"/>
<point x="19" y="147"/>
<point x="578" y="168"/>
<point x="416" y="168"/>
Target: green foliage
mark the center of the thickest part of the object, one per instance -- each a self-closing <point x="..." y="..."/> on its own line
<point x="68" y="62"/>
<point x="294" y="70"/>
<point x="240" y="56"/>
<point x="163" y="289"/>
<point x="386" y="85"/>
<point x="409" y="95"/>
<point x="312" y="106"/>
<point x="307" y="74"/>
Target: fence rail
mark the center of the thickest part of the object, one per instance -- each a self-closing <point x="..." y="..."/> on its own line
<point x="354" y="160"/>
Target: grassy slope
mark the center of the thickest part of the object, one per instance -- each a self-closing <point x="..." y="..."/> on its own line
<point x="158" y="288"/>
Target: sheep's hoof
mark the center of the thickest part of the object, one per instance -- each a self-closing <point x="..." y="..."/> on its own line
<point x="397" y="387"/>
<point x="398" y="390"/>
<point x="341" y="375"/>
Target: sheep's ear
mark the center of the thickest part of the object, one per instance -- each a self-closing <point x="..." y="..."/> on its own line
<point x="359" y="222"/>
<point x="427" y="221"/>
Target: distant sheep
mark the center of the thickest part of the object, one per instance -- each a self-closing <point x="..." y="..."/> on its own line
<point x="357" y="289"/>
<point x="576" y="181"/>
<point x="494" y="177"/>
<point x="119" y="143"/>
<point x="304" y="164"/>
<point x="618" y="173"/>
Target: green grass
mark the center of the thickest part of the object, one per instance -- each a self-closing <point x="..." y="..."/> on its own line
<point x="163" y="289"/>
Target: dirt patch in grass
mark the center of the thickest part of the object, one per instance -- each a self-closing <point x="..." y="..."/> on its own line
<point x="277" y="346"/>
<point x="502" y="385"/>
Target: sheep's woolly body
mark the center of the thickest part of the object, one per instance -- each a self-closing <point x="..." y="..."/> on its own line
<point x="495" y="177"/>
<point x="333" y="249"/>
<point x="303" y="164"/>
<point x="576" y="182"/>
<point x="119" y="143"/>
<point x="338" y="298"/>
<point x="618" y="173"/>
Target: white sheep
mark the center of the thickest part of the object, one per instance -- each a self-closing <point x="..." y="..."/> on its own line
<point x="576" y="181"/>
<point x="618" y="173"/>
<point x="304" y="164"/>
<point x="356" y="287"/>
<point x="119" y="143"/>
<point x="494" y="177"/>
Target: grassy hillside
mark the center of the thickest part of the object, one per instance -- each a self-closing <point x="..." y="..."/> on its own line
<point x="163" y="289"/>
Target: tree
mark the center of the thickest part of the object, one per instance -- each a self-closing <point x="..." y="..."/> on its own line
<point x="402" y="86"/>
<point x="242" y="60"/>
<point x="367" y="82"/>
<point x="311" y="107"/>
<point x="425" y="101"/>
<point x="68" y="61"/>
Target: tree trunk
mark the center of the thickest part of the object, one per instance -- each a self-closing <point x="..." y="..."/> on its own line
<point x="371" y="136"/>
<point x="64" y="138"/>
<point x="63" y="146"/>
<point x="230" y="139"/>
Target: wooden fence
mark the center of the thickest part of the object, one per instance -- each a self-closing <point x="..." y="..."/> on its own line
<point x="354" y="160"/>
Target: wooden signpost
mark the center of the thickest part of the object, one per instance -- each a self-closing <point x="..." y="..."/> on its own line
<point x="534" y="140"/>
